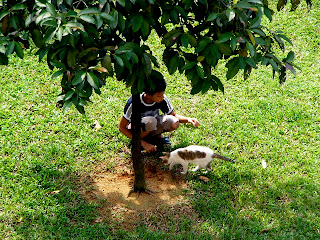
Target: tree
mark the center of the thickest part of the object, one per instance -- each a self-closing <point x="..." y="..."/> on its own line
<point x="87" y="41"/>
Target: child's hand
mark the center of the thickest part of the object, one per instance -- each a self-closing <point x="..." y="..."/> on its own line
<point x="193" y="121"/>
<point x="148" y="147"/>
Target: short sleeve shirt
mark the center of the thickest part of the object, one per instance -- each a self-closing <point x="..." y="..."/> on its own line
<point x="148" y="109"/>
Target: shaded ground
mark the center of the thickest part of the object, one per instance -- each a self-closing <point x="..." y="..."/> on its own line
<point x="109" y="189"/>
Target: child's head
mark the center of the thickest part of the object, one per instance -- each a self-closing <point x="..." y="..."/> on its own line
<point x="160" y="84"/>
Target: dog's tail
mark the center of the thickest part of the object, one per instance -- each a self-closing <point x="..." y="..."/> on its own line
<point x="215" y="155"/>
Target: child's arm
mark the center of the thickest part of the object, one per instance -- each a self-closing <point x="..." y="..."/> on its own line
<point x="183" y="119"/>
<point x="123" y="127"/>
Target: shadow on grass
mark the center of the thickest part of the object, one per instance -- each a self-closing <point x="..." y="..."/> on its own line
<point x="248" y="204"/>
<point x="236" y="203"/>
<point x="95" y="206"/>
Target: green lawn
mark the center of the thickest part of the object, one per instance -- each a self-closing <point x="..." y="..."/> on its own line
<point x="44" y="151"/>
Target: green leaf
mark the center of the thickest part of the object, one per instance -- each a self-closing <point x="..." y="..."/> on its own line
<point x="79" y="77"/>
<point x="200" y="58"/>
<point x="233" y="43"/>
<point x="173" y="64"/>
<point x="181" y="11"/>
<point x="242" y="4"/>
<point x="59" y="34"/>
<point x="57" y="64"/>
<point x="274" y="58"/>
<point x="72" y="57"/>
<point x="93" y="80"/>
<point x="189" y="65"/>
<point x="42" y="53"/>
<point x="147" y="64"/>
<point x="131" y="79"/>
<point x="121" y="22"/>
<point x="192" y="40"/>
<point x="88" y="51"/>
<point x="141" y="84"/>
<point x="49" y="22"/>
<point x="285" y="38"/>
<point x="88" y="19"/>
<point x="259" y="31"/>
<point x="230" y="14"/>
<point x="214" y="49"/>
<point x="118" y="60"/>
<point x="196" y="88"/>
<point x="3" y="14"/>
<point x="107" y="16"/>
<point x="75" y="25"/>
<point x="290" y="67"/>
<point x="132" y="56"/>
<point x="89" y="11"/>
<point x="86" y="93"/>
<point x="122" y="2"/>
<point x="211" y="60"/>
<point x="290" y="57"/>
<point x="268" y="13"/>
<point x="51" y="9"/>
<point x="19" y="50"/>
<point x="114" y="23"/>
<point x="252" y="39"/>
<point x="145" y="28"/>
<point x="165" y="18"/>
<point x="233" y="67"/>
<point x="3" y="59"/>
<point x="136" y="23"/>
<point x="68" y="95"/>
<point x="82" y="102"/>
<point x="184" y="40"/>
<point x="42" y="16"/>
<point x="218" y="82"/>
<point x="10" y="48"/>
<point x="251" y="49"/>
<point x="256" y="22"/>
<point x="18" y="6"/>
<point x="251" y="62"/>
<point x="204" y="41"/>
<point x="58" y="73"/>
<point x="206" y="86"/>
<point x="80" y="108"/>
<point x="212" y="16"/>
<point x="200" y="71"/>
<point x="273" y="64"/>
<point x="224" y="37"/>
<point x="67" y="105"/>
<point x="107" y="63"/>
<point x="225" y="49"/>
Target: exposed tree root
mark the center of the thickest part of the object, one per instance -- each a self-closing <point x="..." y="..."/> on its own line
<point x="142" y="190"/>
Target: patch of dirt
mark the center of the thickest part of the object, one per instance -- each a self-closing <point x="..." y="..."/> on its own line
<point x="110" y="189"/>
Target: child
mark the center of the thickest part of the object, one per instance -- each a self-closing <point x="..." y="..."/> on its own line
<point x="152" y="123"/>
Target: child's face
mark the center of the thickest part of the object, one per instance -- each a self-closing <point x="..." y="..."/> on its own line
<point x="158" y="97"/>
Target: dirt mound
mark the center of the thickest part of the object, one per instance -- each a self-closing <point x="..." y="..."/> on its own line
<point x="110" y="191"/>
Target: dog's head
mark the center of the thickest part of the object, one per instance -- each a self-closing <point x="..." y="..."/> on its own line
<point x="166" y="157"/>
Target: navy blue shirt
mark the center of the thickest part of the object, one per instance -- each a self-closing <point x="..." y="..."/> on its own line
<point x="148" y="109"/>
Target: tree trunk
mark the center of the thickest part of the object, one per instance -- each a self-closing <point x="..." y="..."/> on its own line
<point x="138" y="165"/>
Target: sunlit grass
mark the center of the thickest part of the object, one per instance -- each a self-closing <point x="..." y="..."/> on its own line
<point x="44" y="150"/>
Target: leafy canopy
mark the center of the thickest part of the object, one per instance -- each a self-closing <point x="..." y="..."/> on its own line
<point x="87" y="41"/>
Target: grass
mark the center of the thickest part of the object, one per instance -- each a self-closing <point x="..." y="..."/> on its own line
<point x="44" y="151"/>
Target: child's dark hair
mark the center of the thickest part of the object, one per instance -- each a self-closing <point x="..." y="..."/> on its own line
<point x="159" y="83"/>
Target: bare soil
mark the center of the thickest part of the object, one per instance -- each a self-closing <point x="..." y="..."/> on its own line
<point x="110" y="189"/>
